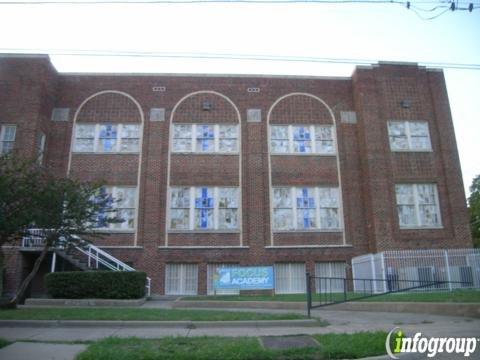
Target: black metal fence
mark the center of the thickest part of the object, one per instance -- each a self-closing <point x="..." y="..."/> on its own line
<point x="324" y="291"/>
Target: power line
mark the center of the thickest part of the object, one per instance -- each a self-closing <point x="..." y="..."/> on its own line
<point x="444" y="5"/>
<point x="225" y="56"/>
<point x="93" y="2"/>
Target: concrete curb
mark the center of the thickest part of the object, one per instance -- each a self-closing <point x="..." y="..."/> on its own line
<point x="218" y="304"/>
<point x="446" y="309"/>
<point x="38" y="302"/>
<point x="160" y="324"/>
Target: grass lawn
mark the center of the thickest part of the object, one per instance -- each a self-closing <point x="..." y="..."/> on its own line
<point x="468" y="296"/>
<point x="280" y="297"/>
<point x="332" y="346"/>
<point x="138" y="314"/>
<point x="3" y="343"/>
<point x="472" y="296"/>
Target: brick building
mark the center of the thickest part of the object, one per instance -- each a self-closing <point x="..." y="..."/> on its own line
<point x="301" y="173"/>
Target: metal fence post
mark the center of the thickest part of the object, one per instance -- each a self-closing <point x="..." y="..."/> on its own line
<point x="447" y="269"/>
<point x="309" y="294"/>
<point x="344" y="289"/>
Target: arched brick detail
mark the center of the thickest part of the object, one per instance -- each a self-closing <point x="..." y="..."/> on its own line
<point x="109" y="107"/>
<point x="300" y="109"/>
<point x="304" y="108"/>
<point x="190" y="110"/>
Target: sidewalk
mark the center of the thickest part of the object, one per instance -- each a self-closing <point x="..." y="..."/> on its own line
<point x="340" y="322"/>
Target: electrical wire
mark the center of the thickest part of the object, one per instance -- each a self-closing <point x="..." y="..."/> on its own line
<point x="446" y="5"/>
<point x="86" y="2"/>
<point x="429" y="18"/>
<point x="223" y="56"/>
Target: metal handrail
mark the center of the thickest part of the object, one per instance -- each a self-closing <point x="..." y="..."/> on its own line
<point x="91" y="251"/>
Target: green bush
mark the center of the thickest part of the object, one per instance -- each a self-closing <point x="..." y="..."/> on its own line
<point x="96" y="284"/>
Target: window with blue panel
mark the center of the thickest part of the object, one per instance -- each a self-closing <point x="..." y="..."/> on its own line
<point x="302" y="140"/>
<point x="306" y="213"/>
<point x="204" y="208"/>
<point x="108" y="138"/>
<point x="205" y="138"/>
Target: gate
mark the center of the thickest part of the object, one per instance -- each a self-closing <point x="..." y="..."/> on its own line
<point x="337" y="290"/>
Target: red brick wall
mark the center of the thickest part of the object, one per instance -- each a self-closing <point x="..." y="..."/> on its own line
<point x="369" y="170"/>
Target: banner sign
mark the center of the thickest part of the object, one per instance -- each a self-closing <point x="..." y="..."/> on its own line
<point x="244" y="278"/>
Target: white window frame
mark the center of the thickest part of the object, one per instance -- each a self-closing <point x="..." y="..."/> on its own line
<point x="113" y="190"/>
<point x="409" y="136"/>
<point x="96" y="140"/>
<point x="334" y="269"/>
<point x="291" y="287"/>
<point x="3" y="130"/>
<point x="216" y="139"/>
<point x="316" y="189"/>
<point x="417" y="207"/>
<point x="182" y="288"/>
<point x="313" y="140"/>
<point x="216" y="200"/>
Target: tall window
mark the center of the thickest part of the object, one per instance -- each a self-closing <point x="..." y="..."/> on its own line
<point x="204" y="208"/>
<point x="7" y="138"/>
<point x="417" y="205"/>
<point x="205" y="138"/>
<point x="107" y="138"/>
<point x="122" y="200"/>
<point x="306" y="208"/>
<point x="40" y="147"/>
<point x="302" y="139"/>
<point x="409" y="136"/>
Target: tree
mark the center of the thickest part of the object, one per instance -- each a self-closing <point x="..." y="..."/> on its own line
<point x="64" y="208"/>
<point x="474" y="209"/>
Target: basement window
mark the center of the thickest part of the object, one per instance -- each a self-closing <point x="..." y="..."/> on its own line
<point x="290" y="278"/>
<point x="332" y="275"/>
<point x="181" y="279"/>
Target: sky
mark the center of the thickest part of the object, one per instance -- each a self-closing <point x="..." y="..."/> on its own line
<point x="376" y="32"/>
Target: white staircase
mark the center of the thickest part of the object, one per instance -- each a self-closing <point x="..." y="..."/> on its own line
<point x="83" y="254"/>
